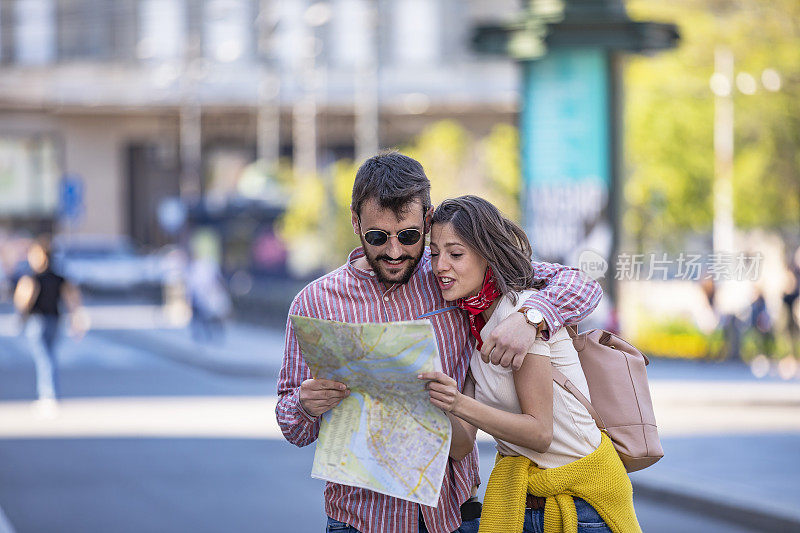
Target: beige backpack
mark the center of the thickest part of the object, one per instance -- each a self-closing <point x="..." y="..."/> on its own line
<point x="621" y="405"/>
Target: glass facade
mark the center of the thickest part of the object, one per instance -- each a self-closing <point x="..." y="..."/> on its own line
<point x="28" y="176"/>
<point x="34" y="35"/>
<point x="40" y="32"/>
<point x="162" y="30"/>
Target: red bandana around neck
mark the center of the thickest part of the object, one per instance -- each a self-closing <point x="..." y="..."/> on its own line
<point x="474" y="305"/>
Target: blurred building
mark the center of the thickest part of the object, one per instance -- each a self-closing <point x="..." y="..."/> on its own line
<point x="138" y="100"/>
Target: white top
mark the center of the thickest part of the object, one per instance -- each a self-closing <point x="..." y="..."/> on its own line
<point x="575" y="434"/>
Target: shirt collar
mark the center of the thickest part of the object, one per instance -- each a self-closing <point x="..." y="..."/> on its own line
<point x="358" y="253"/>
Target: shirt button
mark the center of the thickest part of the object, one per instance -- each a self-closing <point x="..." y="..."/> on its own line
<point x="372" y="273"/>
<point x="386" y="298"/>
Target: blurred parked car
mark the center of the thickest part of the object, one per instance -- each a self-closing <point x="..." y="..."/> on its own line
<point x="108" y="264"/>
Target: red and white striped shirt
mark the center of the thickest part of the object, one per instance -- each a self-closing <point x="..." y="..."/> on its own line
<point x="349" y="294"/>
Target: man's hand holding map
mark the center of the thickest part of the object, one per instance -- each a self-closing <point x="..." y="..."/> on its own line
<point x="385" y="436"/>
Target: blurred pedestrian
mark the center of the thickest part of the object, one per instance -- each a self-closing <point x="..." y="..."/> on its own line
<point x="761" y="324"/>
<point x="791" y="294"/>
<point x="710" y="319"/>
<point x="38" y="298"/>
<point x="209" y="299"/>
<point x="705" y="315"/>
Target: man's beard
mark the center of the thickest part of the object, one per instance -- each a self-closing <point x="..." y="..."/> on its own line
<point x="379" y="268"/>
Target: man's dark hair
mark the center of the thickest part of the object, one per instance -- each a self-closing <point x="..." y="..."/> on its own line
<point x="394" y="180"/>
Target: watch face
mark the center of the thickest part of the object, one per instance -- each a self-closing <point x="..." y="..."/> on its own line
<point x="534" y="316"/>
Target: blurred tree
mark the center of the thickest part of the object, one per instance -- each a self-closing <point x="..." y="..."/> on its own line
<point x="342" y="239"/>
<point x="670" y="115"/>
<point x="501" y="149"/>
<point x="299" y="226"/>
<point x="458" y="164"/>
<point x="316" y="225"/>
<point x="444" y="149"/>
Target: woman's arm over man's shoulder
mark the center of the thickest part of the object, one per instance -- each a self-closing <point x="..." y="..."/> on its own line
<point x="568" y="296"/>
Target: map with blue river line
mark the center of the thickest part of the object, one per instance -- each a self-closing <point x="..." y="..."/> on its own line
<point x="385" y="436"/>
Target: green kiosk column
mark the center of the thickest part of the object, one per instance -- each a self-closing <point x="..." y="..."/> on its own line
<point x="566" y="148"/>
<point x="570" y="55"/>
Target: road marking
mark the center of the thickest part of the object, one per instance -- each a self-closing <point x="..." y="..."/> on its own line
<point x="5" y="524"/>
<point x="178" y="417"/>
<point x="689" y="408"/>
<point x="681" y="408"/>
<point x="114" y="317"/>
<point x="694" y="408"/>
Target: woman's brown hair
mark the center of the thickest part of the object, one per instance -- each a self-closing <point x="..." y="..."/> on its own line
<point x="499" y="240"/>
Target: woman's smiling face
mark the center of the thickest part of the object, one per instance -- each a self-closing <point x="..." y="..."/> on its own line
<point x="459" y="269"/>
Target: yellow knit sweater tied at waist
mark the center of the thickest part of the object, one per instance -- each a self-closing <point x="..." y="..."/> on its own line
<point x="599" y="478"/>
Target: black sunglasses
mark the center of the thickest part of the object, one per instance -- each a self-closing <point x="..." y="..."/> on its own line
<point x="378" y="237"/>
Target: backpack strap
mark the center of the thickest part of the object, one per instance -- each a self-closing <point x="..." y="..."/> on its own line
<point x="562" y="380"/>
<point x="438" y="311"/>
<point x="572" y="330"/>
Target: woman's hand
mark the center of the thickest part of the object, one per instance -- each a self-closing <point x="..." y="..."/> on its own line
<point x="444" y="394"/>
<point x="443" y="390"/>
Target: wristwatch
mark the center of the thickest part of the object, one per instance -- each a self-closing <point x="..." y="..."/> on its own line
<point x="532" y="316"/>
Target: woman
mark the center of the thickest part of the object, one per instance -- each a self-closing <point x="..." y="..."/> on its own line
<point x="549" y="448"/>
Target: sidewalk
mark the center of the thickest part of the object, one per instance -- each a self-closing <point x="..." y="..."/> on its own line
<point x="751" y="479"/>
<point x="731" y="441"/>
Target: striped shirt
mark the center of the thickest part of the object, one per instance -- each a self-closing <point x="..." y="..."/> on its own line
<point x="349" y="294"/>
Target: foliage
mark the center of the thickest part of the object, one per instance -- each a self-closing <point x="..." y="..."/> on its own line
<point x="679" y="338"/>
<point x="755" y="343"/>
<point x="444" y="151"/>
<point x="316" y="225"/>
<point x="501" y="148"/>
<point x="306" y="211"/>
<point x="458" y="164"/>
<point x="670" y="114"/>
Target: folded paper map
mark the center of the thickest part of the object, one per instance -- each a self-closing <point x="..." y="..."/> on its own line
<point x="386" y="436"/>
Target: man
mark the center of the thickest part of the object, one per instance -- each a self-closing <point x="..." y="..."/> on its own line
<point x="389" y="278"/>
<point x="38" y="298"/>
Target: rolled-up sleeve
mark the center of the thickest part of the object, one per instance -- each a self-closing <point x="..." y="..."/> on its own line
<point x="297" y="426"/>
<point x="568" y="297"/>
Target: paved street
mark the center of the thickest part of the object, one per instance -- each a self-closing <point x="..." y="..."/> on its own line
<point x="149" y="439"/>
<point x="201" y="485"/>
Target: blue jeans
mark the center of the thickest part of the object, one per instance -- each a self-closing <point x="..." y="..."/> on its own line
<point x="42" y="332"/>
<point x="334" y="526"/>
<point x="588" y="519"/>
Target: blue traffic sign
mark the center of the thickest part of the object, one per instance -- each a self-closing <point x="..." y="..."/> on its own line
<point x="71" y="197"/>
